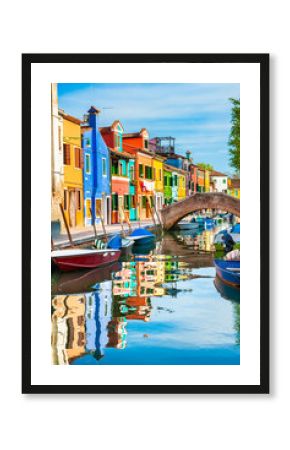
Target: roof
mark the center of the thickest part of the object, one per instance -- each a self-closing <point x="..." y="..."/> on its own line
<point x="235" y="183"/>
<point x="170" y="168"/>
<point x="85" y="128"/>
<point x="121" y="154"/>
<point x="70" y="118"/>
<point x="215" y="173"/>
<point x="108" y="129"/>
<point x="137" y="134"/>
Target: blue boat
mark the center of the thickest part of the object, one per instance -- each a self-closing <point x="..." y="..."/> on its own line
<point x="141" y="236"/>
<point x="228" y="271"/>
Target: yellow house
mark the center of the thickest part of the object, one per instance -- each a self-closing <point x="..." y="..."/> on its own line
<point x="181" y="185"/>
<point x="73" y="202"/>
<point x="157" y="166"/>
<point x="207" y="180"/>
<point x="234" y="187"/>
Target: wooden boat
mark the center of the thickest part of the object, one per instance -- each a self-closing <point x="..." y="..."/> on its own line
<point x="228" y="271"/>
<point x="141" y="236"/>
<point x="79" y="258"/>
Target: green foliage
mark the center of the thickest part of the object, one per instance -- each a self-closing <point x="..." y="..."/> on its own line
<point x="205" y="166"/>
<point x="234" y="139"/>
<point x="237" y="246"/>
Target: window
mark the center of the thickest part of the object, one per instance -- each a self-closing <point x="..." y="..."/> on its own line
<point x="126" y="202"/>
<point x="131" y="173"/>
<point x="141" y="170"/>
<point x="104" y="167"/>
<point x="88" y="208"/>
<point x="132" y="201"/>
<point x="165" y="180"/>
<point x="160" y="174"/>
<point x="77" y="158"/>
<point x="78" y="200"/>
<point x="143" y="201"/>
<point x="114" y="202"/>
<point x="117" y="140"/>
<point x="66" y="154"/>
<point x="148" y="172"/>
<point x="88" y="163"/>
<point x="65" y="200"/>
<point x="98" y="203"/>
<point x="224" y="181"/>
<point x="115" y="167"/>
<point x="145" y="143"/>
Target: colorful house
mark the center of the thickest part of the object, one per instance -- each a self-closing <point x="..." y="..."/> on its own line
<point x="73" y="202"/>
<point x="122" y="174"/>
<point x="193" y="179"/>
<point x="97" y="179"/>
<point x="220" y="181"/>
<point x="137" y="145"/>
<point x="57" y="169"/>
<point x="234" y="187"/>
<point x="174" y="185"/>
<point x="181" y="185"/>
<point x="157" y="164"/>
<point x="167" y="172"/>
<point x="206" y="180"/>
<point x="200" y="187"/>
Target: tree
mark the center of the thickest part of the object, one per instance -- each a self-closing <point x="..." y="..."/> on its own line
<point x="234" y="139"/>
<point x="205" y="166"/>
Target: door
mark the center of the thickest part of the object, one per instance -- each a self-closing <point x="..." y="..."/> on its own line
<point x="121" y="209"/>
<point x="108" y="210"/>
<point x="72" y="208"/>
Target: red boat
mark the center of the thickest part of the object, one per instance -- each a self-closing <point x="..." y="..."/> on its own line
<point x="81" y="258"/>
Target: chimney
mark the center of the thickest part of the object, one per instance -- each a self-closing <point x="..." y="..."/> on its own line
<point x="94" y="118"/>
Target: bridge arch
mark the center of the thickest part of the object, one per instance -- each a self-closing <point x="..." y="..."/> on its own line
<point x="172" y="214"/>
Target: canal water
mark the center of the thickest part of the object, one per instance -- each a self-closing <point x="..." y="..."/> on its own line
<point x="160" y="305"/>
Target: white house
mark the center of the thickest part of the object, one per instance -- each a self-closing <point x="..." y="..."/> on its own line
<point x="219" y="181"/>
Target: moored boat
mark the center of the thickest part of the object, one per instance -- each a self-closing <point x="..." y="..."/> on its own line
<point x="187" y="225"/>
<point x="228" y="271"/>
<point x="79" y="258"/>
<point x="141" y="236"/>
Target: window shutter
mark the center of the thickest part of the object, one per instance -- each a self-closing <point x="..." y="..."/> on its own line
<point x="66" y="154"/>
<point x="81" y="158"/>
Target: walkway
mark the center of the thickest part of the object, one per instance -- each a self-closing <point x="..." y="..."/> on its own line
<point x="84" y="234"/>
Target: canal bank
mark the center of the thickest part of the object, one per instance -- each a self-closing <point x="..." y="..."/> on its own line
<point x="84" y="235"/>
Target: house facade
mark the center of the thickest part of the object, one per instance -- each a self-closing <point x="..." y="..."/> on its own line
<point x="73" y="197"/>
<point x="122" y="174"/>
<point x="137" y="144"/>
<point x="167" y="171"/>
<point x="97" y="177"/>
<point x="234" y="187"/>
<point x="57" y="169"/>
<point x="220" y="181"/>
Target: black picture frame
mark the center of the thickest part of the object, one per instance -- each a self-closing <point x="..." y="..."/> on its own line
<point x="27" y="61"/>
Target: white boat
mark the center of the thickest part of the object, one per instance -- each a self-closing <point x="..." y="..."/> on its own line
<point x="187" y="225"/>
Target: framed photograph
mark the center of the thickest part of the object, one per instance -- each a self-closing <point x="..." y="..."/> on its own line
<point x="134" y="191"/>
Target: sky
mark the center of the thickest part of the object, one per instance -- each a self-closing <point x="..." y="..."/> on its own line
<point x="198" y="115"/>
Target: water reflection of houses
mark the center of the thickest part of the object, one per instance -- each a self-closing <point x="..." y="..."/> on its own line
<point x="68" y="328"/>
<point x="92" y="322"/>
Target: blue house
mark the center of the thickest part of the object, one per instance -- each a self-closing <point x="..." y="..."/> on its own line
<point x="96" y="171"/>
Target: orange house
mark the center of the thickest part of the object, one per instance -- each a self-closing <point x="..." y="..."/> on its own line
<point x="138" y="144"/>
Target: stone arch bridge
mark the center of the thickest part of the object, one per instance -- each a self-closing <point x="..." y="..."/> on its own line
<point x="172" y="214"/>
